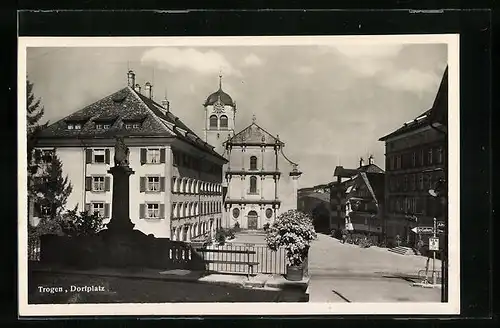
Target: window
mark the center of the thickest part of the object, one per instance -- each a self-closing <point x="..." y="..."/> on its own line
<point x="98" y="208"/>
<point x="440" y="155"/>
<point x="47" y="156"/>
<point x="429" y="156"/>
<point x="236" y="213"/>
<point x="420" y="181"/>
<point x="98" y="184"/>
<point x="153" y="156"/>
<point x="132" y="125"/>
<point x="391" y="162"/>
<point x="45" y="210"/>
<point x="99" y="156"/>
<point x="213" y="121"/>
<point x="398" y="162"/>
<point x="153" y="183"/>
<point x="78" y="126"/>
<point x="253" y="163"/>
<point x="413" y="181"/>
<point x="174" y="210"/>
<point x="253" y="185"/>
<point x="223" y="122"/>
<point x="413" y="159"/>
<point x="430" y="181"/>
<point x="406" y="182"/>
<point x="153" y="211"/>
<point x="71" y="126"/>
<point x="179" y="210"/>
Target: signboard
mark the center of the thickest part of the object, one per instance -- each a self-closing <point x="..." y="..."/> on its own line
<point x="434" y="244"/>
<point x="425" y="230"/>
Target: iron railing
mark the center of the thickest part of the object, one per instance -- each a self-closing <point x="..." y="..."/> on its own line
<point x="34" y="249"/>
<point x="270" y="262"/>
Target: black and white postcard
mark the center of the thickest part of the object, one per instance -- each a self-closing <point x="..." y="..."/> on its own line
<point x="239" y="175"/>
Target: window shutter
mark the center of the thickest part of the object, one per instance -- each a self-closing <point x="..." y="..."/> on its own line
<point x="88" y="183"/>
<point x="107" y="183"/>
<point x="88" y="156"/>
<point x="106" y="210"/>
<point x="142" y="184"/>
<point x="162" y="183"/>
<point x="142" y="211"/>
<point x="143" y="156"/>
<point x="87" y="207"/>
<point x="162" y="211"/>
<point x="162" y="155"/>
<point x="106" y="156"/>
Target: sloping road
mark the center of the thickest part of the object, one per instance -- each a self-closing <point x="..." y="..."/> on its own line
<point x="348" y="273"/>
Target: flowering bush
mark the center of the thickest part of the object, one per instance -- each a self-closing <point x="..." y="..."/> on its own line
<point x="294" y="231"/>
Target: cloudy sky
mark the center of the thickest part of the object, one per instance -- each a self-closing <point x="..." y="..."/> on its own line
<point x="329" y="104"/>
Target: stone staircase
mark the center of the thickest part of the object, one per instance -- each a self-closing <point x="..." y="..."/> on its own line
<point x="402" y="250"/>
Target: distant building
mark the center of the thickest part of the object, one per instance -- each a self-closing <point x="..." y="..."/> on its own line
<point x="416" y="157"/>
<point x="357" y="198"/>
<point x="260" y="181"/>
<point x="315" y="201"/>
<point x="176" y="190"/>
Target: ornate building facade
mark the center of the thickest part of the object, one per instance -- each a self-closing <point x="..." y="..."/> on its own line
<point x="260" y="181"/>
<point x="176" y="190"/>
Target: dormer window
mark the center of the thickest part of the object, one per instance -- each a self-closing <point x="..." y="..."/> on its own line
<point x="102" y="126"/>
<point x="132" y="125"/>
<point x="74" y="126"/>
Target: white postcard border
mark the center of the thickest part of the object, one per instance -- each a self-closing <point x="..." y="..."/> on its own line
<point x="292" y="309"/>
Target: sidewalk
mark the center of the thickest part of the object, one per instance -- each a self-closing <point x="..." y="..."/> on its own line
<point x="271" y="282"/>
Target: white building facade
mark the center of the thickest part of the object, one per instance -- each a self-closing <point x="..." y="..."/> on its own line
<point x="175" y="191"/>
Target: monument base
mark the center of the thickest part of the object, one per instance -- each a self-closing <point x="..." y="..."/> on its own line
<point x="124" y="250"/>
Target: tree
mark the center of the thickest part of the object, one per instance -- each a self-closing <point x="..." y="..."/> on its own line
<point x="52" y="189"/>
<point x="34" y="113"/>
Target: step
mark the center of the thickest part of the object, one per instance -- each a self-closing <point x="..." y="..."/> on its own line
<point x="402" y="250"/>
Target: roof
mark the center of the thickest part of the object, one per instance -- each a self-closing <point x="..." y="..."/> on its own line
<point x="121" y="107"/>
<point x="370" y="168"/>
<point x="342" y="172"/>
<point x="221" y="96"/>
<point x="437" y="113"/>
<point x="254" y="134"/>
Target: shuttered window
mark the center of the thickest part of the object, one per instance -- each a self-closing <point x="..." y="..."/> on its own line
<point x="97" y="156"/>
<point x="153" y="156"/>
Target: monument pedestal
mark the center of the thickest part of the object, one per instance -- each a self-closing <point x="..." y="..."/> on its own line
<point x="120" y="220"/>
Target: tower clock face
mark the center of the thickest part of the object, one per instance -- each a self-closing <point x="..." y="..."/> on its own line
<point x="219" y="107"/>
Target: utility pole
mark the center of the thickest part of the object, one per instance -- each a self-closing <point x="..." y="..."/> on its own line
<point x="434" y="255"/>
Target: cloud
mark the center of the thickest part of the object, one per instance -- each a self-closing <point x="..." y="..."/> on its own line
<point x="305" y="70"/>
<point x="252" y="60"/>
<point x="370" y="50"/>
<point x="411" y="80"/>
<point x="204" y="62"/>
<point x="366" y="59"/>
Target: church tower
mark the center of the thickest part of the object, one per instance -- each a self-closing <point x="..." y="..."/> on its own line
<point x="220" y="114"/>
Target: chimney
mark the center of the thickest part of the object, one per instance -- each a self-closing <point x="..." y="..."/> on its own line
<point x="166" y="104"/>
<point x="370" y="160"/>
<point x="131" y="78"/>
<point x="148" y="88"/>
<point x="361" y="161"/>
<point x="137" y="88"/>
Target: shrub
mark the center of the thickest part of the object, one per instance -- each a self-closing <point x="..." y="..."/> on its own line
<point x="81" y="224"/>
<point x="266" y="226"/>
<point x="294" y="231"/>
<point x="230" y="233"/>
<point x="220" y="236"/>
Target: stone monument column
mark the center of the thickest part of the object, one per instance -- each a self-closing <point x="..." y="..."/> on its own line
<point x="120" y="215"/>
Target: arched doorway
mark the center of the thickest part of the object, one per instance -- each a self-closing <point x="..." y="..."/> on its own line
<point x="252" y="220"/>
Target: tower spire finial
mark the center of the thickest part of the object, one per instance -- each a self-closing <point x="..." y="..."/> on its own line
<point x="254" y="118"/>
<point x="220" y="79"/>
